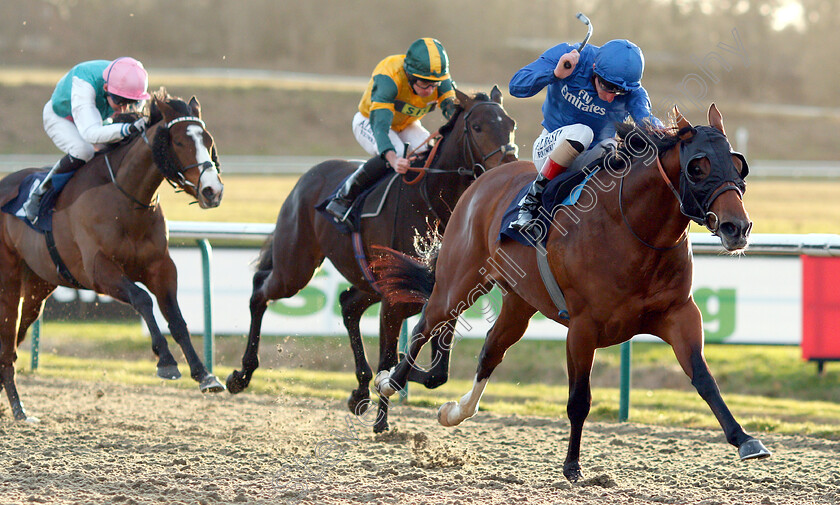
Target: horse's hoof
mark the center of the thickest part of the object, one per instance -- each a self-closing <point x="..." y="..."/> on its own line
<point x="359" y="401"/>
<point x="32" y="419"/>
<point x="753" y="449"/>
<point x="383" y="384"/>
<point x="572" y="472"/>
<point x="443" y="414"/>
<point x="380" y="427"/>
<point x="236" y="382"/>
<point x="169" y="372"/>
<point x="210" y="384"/>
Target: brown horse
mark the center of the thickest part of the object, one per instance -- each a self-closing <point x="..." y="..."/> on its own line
<point x="110" y="233"/>
<point x="478" y="137"/>
<point x="620" y="256"/>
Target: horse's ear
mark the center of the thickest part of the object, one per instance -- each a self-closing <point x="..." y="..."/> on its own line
<point x="715" y="118"/>
<point x="682" y="122"/>
<point x="463" y="99"/>
<point x="195" y="106"/>
<point x="496" y="95"/>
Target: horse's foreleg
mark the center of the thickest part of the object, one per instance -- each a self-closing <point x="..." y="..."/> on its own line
<point x="506" y="331"/>
<point x="10" y="291"/>
<point x="580" y="353"/>
<point x="354" y="302"/>
<point x="35" y="292"/>
<point x="683" y="329"/>
<point x="162" y="282"/>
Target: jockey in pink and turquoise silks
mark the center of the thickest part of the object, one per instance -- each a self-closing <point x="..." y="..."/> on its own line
<point x="76" y="117"/>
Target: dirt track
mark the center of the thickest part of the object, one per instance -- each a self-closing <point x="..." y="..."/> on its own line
<point x="102" y="443"/>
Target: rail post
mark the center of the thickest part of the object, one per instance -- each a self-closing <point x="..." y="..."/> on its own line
<point x="624" y="388"/>
<point x="36" y="342"/>
<point x="209" y="339"/>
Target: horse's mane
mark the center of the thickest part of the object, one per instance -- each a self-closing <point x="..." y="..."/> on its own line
<point x="635" y="139"/>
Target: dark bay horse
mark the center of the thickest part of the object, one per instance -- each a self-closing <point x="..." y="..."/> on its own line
<point x="479" y="136"/>
<point x="110" y="233"/>
<point x="621" y="257"/>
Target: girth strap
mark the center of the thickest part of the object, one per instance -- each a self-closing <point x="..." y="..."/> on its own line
<point x="59" y="263"/>
<point x="550" y="283"/>
<point x="361" y="259"/>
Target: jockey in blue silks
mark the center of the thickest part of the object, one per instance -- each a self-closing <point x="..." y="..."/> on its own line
<point x="582" y="105"/>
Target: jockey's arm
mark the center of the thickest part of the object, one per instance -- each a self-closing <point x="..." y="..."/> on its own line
<point x="532" y="78"/>
<point x="446" y="98"/>
<point x="639" y="109"/>
<point x="87" y="117"/>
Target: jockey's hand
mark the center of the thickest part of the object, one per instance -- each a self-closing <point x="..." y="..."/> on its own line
<point x="400" y="165"/>
<point x="560" y="71"/>
<point x="135" y="127"/>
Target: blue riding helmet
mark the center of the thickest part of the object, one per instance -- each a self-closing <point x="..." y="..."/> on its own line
<point x="620" y="62"/>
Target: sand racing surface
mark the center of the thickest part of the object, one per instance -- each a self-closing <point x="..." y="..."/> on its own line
<point x="105" y="443"/>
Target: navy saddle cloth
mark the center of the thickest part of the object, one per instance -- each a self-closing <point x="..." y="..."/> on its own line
<point x="15" y="206"/>
<point x="565" y="189"/>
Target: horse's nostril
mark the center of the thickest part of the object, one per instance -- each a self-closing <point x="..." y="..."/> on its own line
<point x="729" y="229"/>
<point x="207" y="193"/>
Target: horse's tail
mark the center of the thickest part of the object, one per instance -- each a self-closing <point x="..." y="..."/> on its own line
<point x="403" y="278"/>
<point x="264" y="261"/>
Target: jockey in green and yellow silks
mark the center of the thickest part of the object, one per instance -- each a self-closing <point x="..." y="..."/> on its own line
<point x="402" y="89"/>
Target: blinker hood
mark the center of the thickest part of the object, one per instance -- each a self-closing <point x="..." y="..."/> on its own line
<point x="697" y="197"/>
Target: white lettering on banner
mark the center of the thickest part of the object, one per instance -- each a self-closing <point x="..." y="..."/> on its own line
<point x="751" y="299"/>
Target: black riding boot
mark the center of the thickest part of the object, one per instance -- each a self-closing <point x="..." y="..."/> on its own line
<point x="32" y="206"/>
<point x="356" y="184"/>
<point x="530" y="203"/>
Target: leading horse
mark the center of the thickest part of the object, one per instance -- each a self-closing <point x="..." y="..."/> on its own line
<point x="478" y="137"/>
<point x="620" y="255"/>
<point x="109" y="233"/>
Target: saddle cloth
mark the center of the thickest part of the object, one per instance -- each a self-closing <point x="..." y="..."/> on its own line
<point x="29" y="183"/>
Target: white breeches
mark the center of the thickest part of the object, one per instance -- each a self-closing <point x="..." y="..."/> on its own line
<point x="65" y="135"/>
<point x="546" y="142"/>
<point x="414" y="135"/>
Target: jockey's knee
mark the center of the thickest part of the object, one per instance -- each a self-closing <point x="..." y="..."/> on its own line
<point x="82" y="151"/>
<point x="576" y="134"/>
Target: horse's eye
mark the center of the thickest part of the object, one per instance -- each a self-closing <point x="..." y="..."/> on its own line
<point x="695" y="171"/>
<point x="476" y="128"/>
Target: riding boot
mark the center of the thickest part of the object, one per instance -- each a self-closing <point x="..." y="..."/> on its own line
<point x="356" y="184"/>
<point x="32" y="206"/>
<point x="530" y="203"/>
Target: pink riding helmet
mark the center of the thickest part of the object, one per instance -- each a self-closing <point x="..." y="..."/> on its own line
<point x="127" y="78"/>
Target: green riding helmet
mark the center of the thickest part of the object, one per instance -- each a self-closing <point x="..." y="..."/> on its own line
<point x="426" y="59"/>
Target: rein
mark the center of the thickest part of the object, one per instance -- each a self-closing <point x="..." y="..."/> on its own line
<point x="627" y="222"/>
<point x="140" y="205"/>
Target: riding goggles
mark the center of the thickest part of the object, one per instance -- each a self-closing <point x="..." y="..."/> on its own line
<point x="610" y="87"/>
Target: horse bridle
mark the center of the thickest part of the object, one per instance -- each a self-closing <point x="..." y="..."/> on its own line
<point x="181" y="182"/>
<point x="504" y="149"/>
<point x="205" y="165"/>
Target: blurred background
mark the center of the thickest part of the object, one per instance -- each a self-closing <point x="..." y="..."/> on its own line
<point x="284" y="77"/>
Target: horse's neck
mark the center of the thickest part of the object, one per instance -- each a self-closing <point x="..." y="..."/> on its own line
<point x="136" y="173"/>
<point x="447" y="188"/>
<point x="651" y="208"/>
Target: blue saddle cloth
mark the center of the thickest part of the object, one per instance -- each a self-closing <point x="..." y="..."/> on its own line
<point x="15" y="206"/>
<point x="564" y="189"/>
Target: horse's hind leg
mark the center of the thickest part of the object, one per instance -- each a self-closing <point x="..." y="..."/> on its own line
<point x="354" y="303"/>
<point x="684" y="331"/>
<point x="506" y="331"/>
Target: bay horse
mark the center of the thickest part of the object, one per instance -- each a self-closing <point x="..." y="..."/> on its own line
<point x="621" y="257"/>
<point x="478" y="137"/>
<point x="110" y="233"/>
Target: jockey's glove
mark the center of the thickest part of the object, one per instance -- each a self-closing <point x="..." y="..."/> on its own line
<point x="135" y="127"/>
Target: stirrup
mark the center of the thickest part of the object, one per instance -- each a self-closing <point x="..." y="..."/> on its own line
<point x="32" y="207"/>
<point x="526" y="216"/>
<point x="339" y="209"/>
